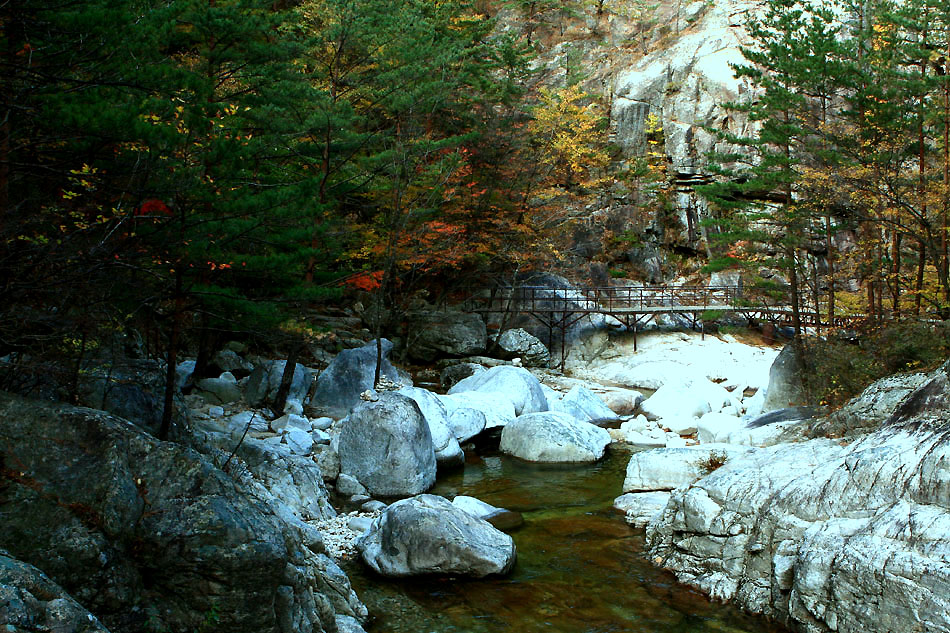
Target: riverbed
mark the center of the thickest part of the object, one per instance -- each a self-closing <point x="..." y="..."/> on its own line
<point x="581" y="568"/>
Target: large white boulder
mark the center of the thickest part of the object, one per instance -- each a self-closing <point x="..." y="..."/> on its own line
<point x="675" y="401"/>
<point x="429" y="535"/>
<point x="496" y="407"/>
<point x="386" y="445"/>
<point x="446" y="445"/>
<point x="582" y="404"/>
<point x="553" y="437"/>
<point x="517" y="384"/>
<point x="717" y="427"/>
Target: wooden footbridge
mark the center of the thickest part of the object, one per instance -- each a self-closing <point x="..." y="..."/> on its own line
<point x="559" y="308"/>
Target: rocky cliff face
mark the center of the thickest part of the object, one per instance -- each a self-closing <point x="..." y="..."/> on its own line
<point x="150" y="535"/>
<point x="825" y="535"/>
<point x="663" y="72"/>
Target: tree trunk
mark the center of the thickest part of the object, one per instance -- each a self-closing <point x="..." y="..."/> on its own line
<point x="919" y="285"/>
<point x="286" y="379"/>
<point x="796" y="300"/>
<point x="829" y="247"/>
<point x="172" y="357"/>
<point x="896" y="274"/>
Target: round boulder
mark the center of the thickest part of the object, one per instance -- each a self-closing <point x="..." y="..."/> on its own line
<point x="516" y="383"/>
<point x="519" y="343"/>
<point x="387" y="446"/>
<point x="428" y="535"/>
<point x="551" y="436"/>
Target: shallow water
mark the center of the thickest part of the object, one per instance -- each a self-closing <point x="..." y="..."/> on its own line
<point x="580" y="568"/>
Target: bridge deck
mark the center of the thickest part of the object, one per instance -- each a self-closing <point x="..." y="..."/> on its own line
<point x="563" y="307"/>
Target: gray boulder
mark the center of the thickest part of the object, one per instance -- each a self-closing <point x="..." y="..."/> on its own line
<point x="264" y="382"/>
<point x="438" y="334"/>
<point x="517" y="384"/>
<point x="446" y="445"/>
<point x="466" y="423"/>
<point x="29" y="601"/>
<point x="582" y="404"/>
<point x="785" y="381"/>
<point x="387" y="446"/>
<point x="102" y="532"/>
<point x="519" y="343"/>
<point x="351" y="373"/>
<point x="428" y="535"/>
<point x="219" y="390"/>
<point x="553" y="437"/>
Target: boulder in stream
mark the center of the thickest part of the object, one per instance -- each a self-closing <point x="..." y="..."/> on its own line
<point x="550" y="436"/>
<point x="427" y="534"/>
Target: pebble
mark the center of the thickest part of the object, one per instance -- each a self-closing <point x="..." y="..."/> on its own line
<point x="339" y="538"/>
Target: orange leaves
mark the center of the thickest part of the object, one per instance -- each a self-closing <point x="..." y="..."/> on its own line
<point x="366" y="281"/>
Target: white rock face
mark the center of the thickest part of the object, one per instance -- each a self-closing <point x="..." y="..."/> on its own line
<point x="717" y="427"/>
<point x="685" y="85"/>
<point x="515" y="383"/>
<point x="553" y="437"/>
<point x="669" y="468"/>
<point x="826" y="535"/>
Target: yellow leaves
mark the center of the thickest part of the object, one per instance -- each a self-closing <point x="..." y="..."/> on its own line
<point x="568" y="131"/>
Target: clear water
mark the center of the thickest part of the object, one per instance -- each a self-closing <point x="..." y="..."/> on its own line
<point x="580" y="568"/>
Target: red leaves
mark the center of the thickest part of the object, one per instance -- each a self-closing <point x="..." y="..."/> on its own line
<point x="366" y="281"/>
<point x="153" y="208"/>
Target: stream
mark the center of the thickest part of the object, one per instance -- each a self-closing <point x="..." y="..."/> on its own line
<point x="580" y="569"/>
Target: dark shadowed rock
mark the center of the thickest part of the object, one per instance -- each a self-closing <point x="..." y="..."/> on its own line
<point x="431" y="335"/>
<point x="428" y="535"/>
<point x="29" y="601"/>
<point x="788" y="414"/>
<point x="519" y="343"/>
<point x="869" y="409"/>
<point x="138" y="529"/>
<point x="264" y="381"/>
<point x="452" y="374"/>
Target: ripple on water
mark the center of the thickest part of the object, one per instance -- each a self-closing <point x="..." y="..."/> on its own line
<point x="580" y="568"/>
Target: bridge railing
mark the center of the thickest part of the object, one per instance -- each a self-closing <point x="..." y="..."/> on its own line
<point x="604" y="298"/>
